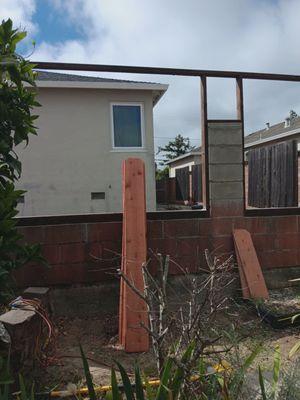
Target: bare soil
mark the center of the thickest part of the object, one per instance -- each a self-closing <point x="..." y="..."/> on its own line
<point x="284" y="301"/>
<point x="98" y="337"/>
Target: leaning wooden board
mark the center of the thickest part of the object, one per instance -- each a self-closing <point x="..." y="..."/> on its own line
<point x="252" y="279"/>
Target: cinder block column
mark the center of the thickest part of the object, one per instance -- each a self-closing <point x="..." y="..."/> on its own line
<point x="225" y="149"/>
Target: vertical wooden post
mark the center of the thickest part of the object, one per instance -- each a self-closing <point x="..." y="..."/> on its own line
<point x="240" y="116"/>
<point x="133" y="310"/>
<point x="204" y="145"/>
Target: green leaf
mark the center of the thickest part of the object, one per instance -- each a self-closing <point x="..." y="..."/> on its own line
<point x="163" y="390"/>
<point x="179" y="374"/>
<point x="139" y="390"/>
<point x="22" y="388"/>
<point x="262" y="384"/>
<point x="88" y="376"/>
<point x="276" y="369"/>
<point x="294" y="349"/>
<point x="249" y="360"/>
<point x="126" y="383"/>
<point x="114" y="384"/>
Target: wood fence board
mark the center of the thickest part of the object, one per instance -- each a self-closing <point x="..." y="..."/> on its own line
<point x="133" y="311"/>
<point x="182" y="183"/>
<point x="247" y="258"/>
<point x="273" y="177"/>
<point x="197" y="183"/>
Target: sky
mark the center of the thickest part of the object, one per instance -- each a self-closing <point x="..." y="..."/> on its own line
<point x="245" y="35"/>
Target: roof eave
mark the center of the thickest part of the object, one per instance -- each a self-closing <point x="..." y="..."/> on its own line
<point x="183" y="156"/>
<point x="158" y="89"/>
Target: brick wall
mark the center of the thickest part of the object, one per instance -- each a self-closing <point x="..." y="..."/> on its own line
<point x="71" y="248"/>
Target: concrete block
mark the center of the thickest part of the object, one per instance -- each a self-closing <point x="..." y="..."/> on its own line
<point x="229" y="134"/>
<point x="227" y="208"/>
<point x="36" y="291"/>
<point x="17" y="317"/>
<point x="226" y="190"/>
<point x="225" y="155"/>
<point x="226" y="173"/>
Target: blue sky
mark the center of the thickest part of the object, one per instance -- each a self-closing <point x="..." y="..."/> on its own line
<point x="53" y="26"/>
<point x="251" y="35"/>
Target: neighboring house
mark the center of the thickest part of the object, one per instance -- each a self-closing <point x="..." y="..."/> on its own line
<point x="189" y="159"/>
<point x="283" y="131"/>
<point x="273" y="134"/>
<point x="87" y="127"/>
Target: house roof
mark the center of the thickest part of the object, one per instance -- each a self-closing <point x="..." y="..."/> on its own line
<point x="60" y="80"/>
<point x="276" y="131"/>
<point x="194" y="152"/>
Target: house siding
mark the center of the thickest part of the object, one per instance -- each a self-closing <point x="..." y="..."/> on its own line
<point x="72" y="155"/>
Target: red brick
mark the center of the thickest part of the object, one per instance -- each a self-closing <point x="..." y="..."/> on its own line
<point x="287" y="224"/>
<point x="101" y="231"/>
<point x="185" y="264"/>
<point x="205" y="226"/>
<point x="66" y="274"/>
<point x="287" y="241"/>
<point x="181" y="228"/>
<point x="99" y="275"/>
<point x="64" y="233"/>
<point x="72" y="253"/>
<point x="221" y="226"/>
<point x="32" y="234"/>
<point x="222" y="244"/>
<point x="226" y="208"/>
<point x="260" y="225"/>
<point x="263" y="242"/>
<point x="163" y="246"/>
<point x="30" y="275"/>
<point x="94" y="250"/>
<point x="52" y="253"/>
<point x="275" y="259"/>
<point x="111" y="249"/>
<point x="154" y="229"/>
<point x="186" y="247"/>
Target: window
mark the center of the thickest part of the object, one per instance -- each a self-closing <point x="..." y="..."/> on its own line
<point x="127" y="125"/>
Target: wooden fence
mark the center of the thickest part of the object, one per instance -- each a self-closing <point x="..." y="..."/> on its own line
<point x="273" y="176"/>
<point x="186" y="186"/>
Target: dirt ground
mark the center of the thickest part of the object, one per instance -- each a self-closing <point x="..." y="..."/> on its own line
<point x="98" y="337"/>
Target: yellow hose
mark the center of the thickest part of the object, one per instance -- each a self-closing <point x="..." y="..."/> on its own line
<point x="107" y="388"/>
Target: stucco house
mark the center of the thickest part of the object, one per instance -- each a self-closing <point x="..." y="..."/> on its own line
<point x="189" y="159"/>
<point x="87" y="127"/>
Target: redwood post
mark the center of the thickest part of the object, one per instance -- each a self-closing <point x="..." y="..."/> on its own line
<point x="133" y="311"/>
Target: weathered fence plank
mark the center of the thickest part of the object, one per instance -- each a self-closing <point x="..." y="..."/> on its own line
<point x="273" y="176"/>
<point x="182" y="183"/>
<point x="197" y="183"/>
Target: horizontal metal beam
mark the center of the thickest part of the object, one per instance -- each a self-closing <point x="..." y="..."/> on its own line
<point x="164" y="71"/>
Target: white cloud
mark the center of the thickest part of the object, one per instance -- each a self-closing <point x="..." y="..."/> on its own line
<point x="255" y="35"/>
<point x="21" y="12"/>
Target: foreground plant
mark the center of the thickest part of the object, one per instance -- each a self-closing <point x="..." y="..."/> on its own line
<point x="16" y="125"/>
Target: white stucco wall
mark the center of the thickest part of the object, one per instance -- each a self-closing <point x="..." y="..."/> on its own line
<point x="72" y="155"/>
<point x="187" y="162"/>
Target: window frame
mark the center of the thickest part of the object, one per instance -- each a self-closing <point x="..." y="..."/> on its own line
<point x="127" y="148"/>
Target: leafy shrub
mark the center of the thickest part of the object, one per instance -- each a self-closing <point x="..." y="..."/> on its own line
<point x="16" y="124"/>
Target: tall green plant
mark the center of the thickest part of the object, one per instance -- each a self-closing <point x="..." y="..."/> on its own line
<point x="17" y="101"/>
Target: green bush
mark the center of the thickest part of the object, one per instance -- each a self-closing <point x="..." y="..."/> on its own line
<point x="16" y="124"/>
